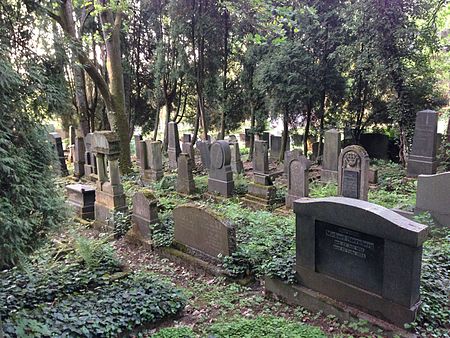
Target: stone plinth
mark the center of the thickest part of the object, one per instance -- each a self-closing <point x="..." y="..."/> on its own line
<point x="82" y="199"/>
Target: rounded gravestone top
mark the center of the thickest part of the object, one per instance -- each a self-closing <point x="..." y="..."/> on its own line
<point x="217" y="156"/>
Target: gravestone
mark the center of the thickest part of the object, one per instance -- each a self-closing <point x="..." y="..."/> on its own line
<point x="361" y="254"/>
<point x="376" y="145"/>
<point x="187" y="138"/>
<point x="187" y="148"/>
<point x="71" y="146"/>
<point x="232" y="138"/>
<point x="109" y="191"/>
<point x="137" y="144"/>
<point x="154" y="168"/>
<point x="145" y="213"/>
<point x="185" y="178"/>
<point x="204" y="148"/>
<point x="288" y="156"/>
<point x="331" y="151"/>
<point x="422" y="159"/>
<point x="220" y="179"/>
<point x="261" y="192"/>
<point x="298" y="180"/>
<point x="275" y="147"/>
<point x="56" y="143"/>
<point x="90" y="162"/>
<point x="433" y="195"/>
<point x="236" y="163"/>
<point x="79" y="151"/>
<point x="353" y="174"/>
<point x="203" y="232"/>
<point x="315" y="154"/>
<point x="173" y="150"/>
<point x="247" y="138"/>
<point x="81" y="198"/>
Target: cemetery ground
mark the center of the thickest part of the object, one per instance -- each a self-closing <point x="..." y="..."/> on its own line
<point x="83" y="282"/>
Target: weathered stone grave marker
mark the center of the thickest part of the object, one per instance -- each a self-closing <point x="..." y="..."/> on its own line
<point x="205" y="153"/>
<point x="276" y="145"/>
<point x="236" y="163"/>
<point x="187" y="148"/>
<point x="173" y="150"/>
<point x="331" y="151"/>
<point x="79" y="151"/>
<point x="298" y="180"/>
<point x="90" y="162"/>
<point x="353" y="174"/>
<point x="56" y="142"/>
<point x="155" y="170"/>
<point x="220" y="179"/>
<point x="145" y="213"/>
<point x="82" y="199"/>
<point x="185" y="178"/>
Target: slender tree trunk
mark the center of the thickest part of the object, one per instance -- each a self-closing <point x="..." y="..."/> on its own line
<point x="322" y="122"/>
<point x="224" y="85"/>
<point x="285" y="134"/>
<point x="155" y="132"/>
<point x="196" y="126"/>
<point x="252" y="131"/>
<point x="308" y="123"/>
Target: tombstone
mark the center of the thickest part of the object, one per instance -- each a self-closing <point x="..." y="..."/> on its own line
<point x="71" y="146"/>
<point x="56" y="142"/>
<point x="247" y="138"/>
<point x="90" y="162"/>
<point x="173" y="150"/>
<point x="79" y="151"/>
<point x="81" y="198"/>
<point x="204" y="147"/>
<point x="220" y="179"/>
<point x="154" y="164"/>
<point x="109" y="191"/>
<point x="232" y="138"/>
<point x="201" y="232"/>
<point x="373" y="176"/>
<point x="353" y="174"/>
<point x="288" y="156"/>
<point x="433" y="195"/>
<point x="188" y="148"/>
<point x="422" y="159"/>
<point x="376" y="145"/>
<point x="261" y="192"/>
<point x="331" y="151"/>
<point x="187" y="138"/>
<point x="298" y="180"/>
<point x="185" y="178"/>
<point x="360" y="254"/>
<point x="275" y="147"/>
<point x="137" y="139"/>
<point x="236" y="163"/>
<point x="145" y="213"/>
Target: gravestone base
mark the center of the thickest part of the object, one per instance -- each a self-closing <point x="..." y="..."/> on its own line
<point x="81" y="198"/>
<point x="150" y="176"/>
<point x="295" y="294"/>
<point x="328" y="176"/>
<point x="260" y="196"/>
<point x="108" y="201"/>
<point x="420" y="166"/>
<point x="224" y="188"/>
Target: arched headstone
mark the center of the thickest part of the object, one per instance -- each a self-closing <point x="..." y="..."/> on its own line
<point x="353" y="178"/>
<point x="220" y="178"/>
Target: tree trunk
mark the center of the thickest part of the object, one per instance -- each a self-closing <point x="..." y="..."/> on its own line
<point x="285" y="135"/>
<point x="308" y="123"/>
<point x="224" y="84"/>
<point x="252" y="131"/>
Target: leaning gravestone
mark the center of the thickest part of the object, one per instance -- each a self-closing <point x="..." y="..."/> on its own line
<point x="204" y="148"/>
<point x="298" y="180"/>
<point x="220" y="178"/>
<point x="109" y="191"/>
<point x="185" y="178"/>
<point x="236" y="163"/>
<point x="353" y="174"/>
<point x="203" y="232"/>
<point x="56" y="142"/>
<point x="173" y="150"/>
<point x="331" y="151"/>
<point x="422" y="159"/>
<point x="79" y="150"/>
<point x="145" y="213"/>
<point x="433" y="195"/>
<point x="82" y="199"/>
<point x="90" y="162"/>
<point x="360" y="255"/>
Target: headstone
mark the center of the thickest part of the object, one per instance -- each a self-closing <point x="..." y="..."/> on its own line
<point x="298" y="180"/>
<point x="373" y="176"/>
<point x="137" y="144"/>
<point x="109" y="191"/>
<point x="187" y="138"/>
<point x="353" y="174"/>
<point x="79" y="151"/>
<point x="173" y="150"/>
<point x="82" y="199"/>
<point x="220" y="178"/>
<point x="232" y="138"/>
<point x="290" y="155"/>
<point x="236" y="163"/>
<point x="261" y="192"/>
<point x="145" y="213"/>
<point x="185" y="179"/>
<point x="203" y="232"/>
<point x="422" y="159"/>
<point x="204" y="148"/>
<point x="90" y="162"/>
<point x="331" y="151"/>
<point x="56" y="142"/>
<point x="376" y="145"/>
<point x="433" y="195"/>
<point x="188" y="148"/>
<point x="154" y="168"/>
<point x="361" y="254"/>
<point x="71" y="146"/>
<point x="276" y="145"/>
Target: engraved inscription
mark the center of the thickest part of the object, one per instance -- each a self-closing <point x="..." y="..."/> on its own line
<point x="351" y="184"/>
<point x="348" y="244"/>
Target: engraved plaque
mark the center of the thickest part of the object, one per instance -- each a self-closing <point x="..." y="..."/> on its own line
<point x="350" y="184"/>
<point x="350" y="256"/>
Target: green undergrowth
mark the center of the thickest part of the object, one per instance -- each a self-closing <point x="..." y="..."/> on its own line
<point x="78" y="289"/>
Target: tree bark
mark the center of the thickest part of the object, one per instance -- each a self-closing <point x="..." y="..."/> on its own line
<point x="285" y="134"/>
